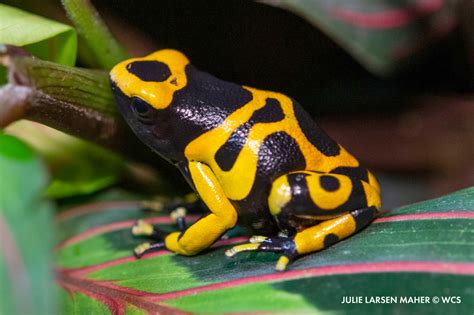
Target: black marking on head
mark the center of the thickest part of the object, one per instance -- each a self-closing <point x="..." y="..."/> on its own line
<point x="271" y="112"/>
<point x="229" y="151"/>
<point x="363" y="217"/>
<point x="353" y="172"/>
<point x="329" y="183"/>
<point x="149" y="70"/>
<point x="330" y="239"/>
<point x="314" y="133"/>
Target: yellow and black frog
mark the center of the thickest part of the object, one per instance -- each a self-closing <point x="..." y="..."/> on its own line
<point x="254" y="157"/>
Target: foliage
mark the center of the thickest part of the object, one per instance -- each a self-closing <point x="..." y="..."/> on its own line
<point x="426" y="243"/>
<point x="76" y="166"/>
<point x="380" y="34"/>
<point x="46" y="39"/>
<point x="422" y="249"/>
<point x="26" y="232"/>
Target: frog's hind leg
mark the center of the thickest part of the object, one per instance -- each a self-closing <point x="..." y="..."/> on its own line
<point x="321" y="208"/>
<point x="305" y="195"/>
<point x="311" y="239"/>
<point x="343" y="205"/>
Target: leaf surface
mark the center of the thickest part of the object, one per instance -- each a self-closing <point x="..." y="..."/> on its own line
<point x="76" y="167"/>
<point x="26" y="232"/>
<point x="44" y="38"/>
<point x="379" y="34"/>
<point x="424" y="249"/>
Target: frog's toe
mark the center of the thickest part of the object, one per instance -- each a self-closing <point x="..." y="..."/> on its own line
<point x="147" y="247"/>
<point x="178" y="215"/>
<point x="141" y="249"/>
<point x="142" y="228"/>
<point x="282" y="263"/>
<point x="257" y="239"/>
<point x="241" y="248"/>
<point x="284" y="245"/>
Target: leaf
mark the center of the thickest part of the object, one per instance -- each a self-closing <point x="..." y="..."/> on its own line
<point x="46" y="39"/>
<point x="379" y="34"/>
<point x="76" y="167"/>
<point x="26" y="232"/>
<point x="423" y="249"/>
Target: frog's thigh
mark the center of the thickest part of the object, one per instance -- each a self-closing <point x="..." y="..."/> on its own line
<point x="319" y="196"/>
<point x="208" y="229"/>
<point x="344" y="205"/>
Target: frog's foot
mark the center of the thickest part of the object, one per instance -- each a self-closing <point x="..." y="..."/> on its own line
<point x="142" y="228"/>
<point x="147" y="247"/>
<point x="179" y="216"/>
<point x="284" y="245"/>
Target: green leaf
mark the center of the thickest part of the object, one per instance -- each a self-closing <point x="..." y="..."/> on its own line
<point x="379" y="34"/>
<point x="26" y="232"/>
<point x="46" y="39"/>
<point x="76" y="167"/>
<point x="423" y="249"/>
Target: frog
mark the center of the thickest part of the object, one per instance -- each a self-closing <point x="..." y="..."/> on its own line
<point x="254" y="157"/>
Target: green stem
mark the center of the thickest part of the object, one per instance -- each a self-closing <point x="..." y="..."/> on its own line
<point x="85" y="88"/>
<point x="73" y="100"/>
<point x="99" y="41"/>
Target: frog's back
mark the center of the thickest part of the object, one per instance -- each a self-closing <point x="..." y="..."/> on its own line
<point x="250" y="137"/>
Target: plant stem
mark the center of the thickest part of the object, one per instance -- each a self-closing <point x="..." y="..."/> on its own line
<point x="99" y="41"/>
<point x="73" y="100"/>
<point x="85" y="88"/>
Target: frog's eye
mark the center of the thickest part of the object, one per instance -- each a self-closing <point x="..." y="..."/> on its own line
<point x="142" y="109"/>
<point x="140" y="106"/>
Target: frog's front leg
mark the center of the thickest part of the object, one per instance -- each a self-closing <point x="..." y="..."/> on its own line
<point x="208" y="229"/>
<point x="315" y="197"/>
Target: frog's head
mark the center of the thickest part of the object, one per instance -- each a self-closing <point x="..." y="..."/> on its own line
<point x="143" y="87"/>
<point x="153" y="78"/>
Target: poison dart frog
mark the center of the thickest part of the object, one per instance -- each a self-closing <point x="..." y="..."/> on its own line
<point x="254" y="157"/>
